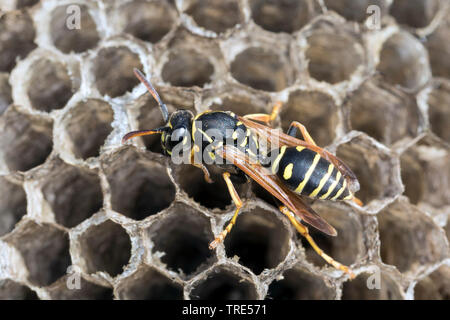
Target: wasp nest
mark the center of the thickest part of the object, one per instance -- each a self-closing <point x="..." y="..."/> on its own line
<point x="84" y="217"/>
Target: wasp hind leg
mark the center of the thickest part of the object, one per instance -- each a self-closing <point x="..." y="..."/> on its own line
<point x="305" y="233"/>
<point x="263" y="117"/>
<point x="238" y="202"/>
<point x="292" y="131"/>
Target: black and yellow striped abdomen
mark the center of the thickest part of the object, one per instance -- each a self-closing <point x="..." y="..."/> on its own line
<point x="305" y="172"/>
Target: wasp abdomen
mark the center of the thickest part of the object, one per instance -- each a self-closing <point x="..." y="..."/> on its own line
<point x="307" y="173"/>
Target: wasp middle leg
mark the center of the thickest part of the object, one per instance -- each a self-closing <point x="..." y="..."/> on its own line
<point x="238" y="202"/>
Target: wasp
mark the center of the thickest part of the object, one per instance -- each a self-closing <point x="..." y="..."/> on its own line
<point x="296" y="167"/>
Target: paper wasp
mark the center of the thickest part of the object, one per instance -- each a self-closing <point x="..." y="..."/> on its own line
<point x="299" y="167"/>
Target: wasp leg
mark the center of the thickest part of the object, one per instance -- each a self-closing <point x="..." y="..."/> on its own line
<point x="207" y="176"/>
<point x="292" y="131"/>
<point x="304" y="232"/>
<point x="238" y="202"/>
<point x="266" y="118"/>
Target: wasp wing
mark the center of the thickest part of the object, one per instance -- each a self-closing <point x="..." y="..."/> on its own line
<point x="276" y="187"/>
<point x="274" y="136"/>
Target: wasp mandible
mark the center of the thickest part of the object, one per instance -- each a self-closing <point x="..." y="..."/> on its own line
<point x="296" y="168"/>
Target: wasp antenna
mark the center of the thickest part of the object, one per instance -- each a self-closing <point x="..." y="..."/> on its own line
<point x="152" y="90"/>
<point x="139" y="133"/>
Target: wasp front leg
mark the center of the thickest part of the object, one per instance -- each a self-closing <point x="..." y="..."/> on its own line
<point x="238" y="202"/>
<point x="305" y="233"/>
<point x="266" y="118"/>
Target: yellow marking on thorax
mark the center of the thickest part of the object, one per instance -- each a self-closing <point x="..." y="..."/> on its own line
<point x="238" y="123"/>
<point x="308" y="174"/>
<point x="235" y="135"/>
<point x="244" y="142"/>
<point x="299" y="148"/>
<point x="287" y="174"/>
<point x="344" y="185"/>
<point x="322" y="181"/>
<point x="333" y="185"/>
<point x="212" y="155"/>
<point x="204" y="134"/>
<point x="277" y="159"/>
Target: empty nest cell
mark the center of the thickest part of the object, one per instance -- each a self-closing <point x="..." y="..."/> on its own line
<point x="49" y="86"/>
<point x="66" y="35"/>
<point x="282" y="16"/>
<point x="416" y="14"/>
<point x="259" y="239"/>
<point x="113" y="70"/>
<point x="44" y="249"/>
<point x="354" y="10"/>
<point x="348" y="246"/>
<point x="17" y="38"/>
<point x="5" y="92"/>
<point x="149" y="284"/>
<point x="148" y="21"/>
<point x="13" y="205"/>
<point x="216" y="15"/>
<point x="299" y="284"/>
<point x="316" y="111"/>
<point x="377" y="285"/>
<point x="436" y="286"/>
<point x="187" y="68"/>
<point x="77" y="287"/>
<point x="12" y="290"/>
<point x="384" y="113"/>
<point x="183" y="236"/>
<point x="224" y="283"/>
<point x="438" y="110"/>
<point x="88" y="124"/>
<point x="404" y="61"/>
<point x="139" y="187"/>
<point x="409" y="239"/>
<point x="333" y="57"/>
<point x="439" y="50"/>
<point x="105" y="247"/>
<point x="25" y="3"/>
<point x="74" y="193"/>
<point x="239" y="103"/>
<point x="261" y="69"/>
<point x="25" y="140"/>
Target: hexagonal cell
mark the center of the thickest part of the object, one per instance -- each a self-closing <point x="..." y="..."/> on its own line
<point x="148" y="21"/>
<point x="87" y="290"/>
<point x="12" y="290"/>
<point x="259" y="239"/>
<point x="409" y="238"/>
<point x="417" y="14"/>
<point x="72" y="39"/>
<point x="372" y="286"/>
<point x="5" y="92"/>
<point x="333" y="57"/>
<point x="113" y="70"/>
<point x="261" y="69"/>
<point x="50" y="86"/>
<point x="316" y="110"/>
<point x="434" y="287"/>
<point x="74" y="193"/>
<point x="44" y="249"/>
<point x="354" y="10"/>
<point x="385" y="113"/>
<point x="187" y="68"/>
<point x="282" y="16"/>
<point x="88" y="124"/>
<point x="438" y="111"/>
<point x="438" y="49"/>
<point x="13" y="205"/>
<point x="426" y="174"/>
<point x="404" y="61"/>
<point x="349" y="244"/>
<point x="139" y="187"/>
<point x="105" y="248"/>
<point x="224" y="283"/>
<point x="149" y="284"/>
<point x="25" y="140"/>
<point x="183" y="236"/>
<point x="216" y="15"/>
<point x="299" y="284"/>
<point x="214" y="195"/>
<point x="17" y="38"/>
